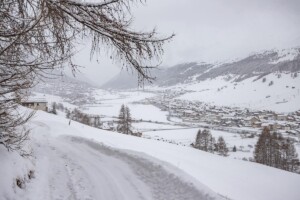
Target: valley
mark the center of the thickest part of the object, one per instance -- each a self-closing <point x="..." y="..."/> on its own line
<point x="149" y="100"/>
<point x="174" y="114"/>
<point x="166" y="120"/>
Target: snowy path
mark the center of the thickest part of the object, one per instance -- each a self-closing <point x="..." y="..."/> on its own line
<point x="80" y="169"/>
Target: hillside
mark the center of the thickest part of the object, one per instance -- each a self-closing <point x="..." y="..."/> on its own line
<point x="71" y="89"/>
<point x="277" y="92"/>
<point x="262" y="81"/>
<point x="258" y="64"/>
<point x="81" y="162"/>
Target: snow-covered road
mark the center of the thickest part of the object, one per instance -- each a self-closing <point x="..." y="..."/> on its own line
<point x="80" y="162"/>
<point x="80" y="169"/>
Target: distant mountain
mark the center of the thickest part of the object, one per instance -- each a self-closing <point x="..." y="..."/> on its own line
<point x="124" y="80"/>
<point x="70" y="88"/>
<point x="257" y="64"/>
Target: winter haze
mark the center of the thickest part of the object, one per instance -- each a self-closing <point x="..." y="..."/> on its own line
<point x="208" y="30"/>
<point x="219" y="121"/>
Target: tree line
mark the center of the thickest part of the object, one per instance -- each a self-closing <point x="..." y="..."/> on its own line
<point x="83" y="118"/>
<point x="271" y="149"/>
<point x="206" y="142"/>
<point x="276" y="151"/>
<point x="124" y="123"/>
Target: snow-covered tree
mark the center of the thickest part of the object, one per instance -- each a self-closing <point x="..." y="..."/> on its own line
<point x="261" y="154"/>
<point x="124" y="120"/>
<point x="198" y="140"/>
<point x="37" y="36"/>
<point x="275" y="151"/>
<point x="68" y="113"/>
<point x="221" y="147"/>
<point x="128" y="121"/>
<point x="208" y="141"/>
<point x="54" y="106"/>
<point x="121" y="120"/>
<point x="234" y="148"/>
<point x="204" y="141"/>
<point x="290" y="157"/>
<point x="96" y="122"/>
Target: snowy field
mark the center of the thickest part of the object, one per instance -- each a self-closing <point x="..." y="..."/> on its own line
<point x="282" y="96"/>
<point x="146" y="126"/>
<point x="120" y="97"/>
<point x="110" y="106"/>
<point x="51" y="99"/>
<point x="185" y="137"/>
<point x="97" y="164"/>
<point x="152" y="167"/>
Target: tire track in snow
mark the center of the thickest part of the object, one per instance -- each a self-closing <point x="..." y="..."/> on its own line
<point x="163" y="185"/>
<point x="81" y="169"/>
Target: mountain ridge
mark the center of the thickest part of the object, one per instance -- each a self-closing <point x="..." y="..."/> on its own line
<point x="258" y="64"/>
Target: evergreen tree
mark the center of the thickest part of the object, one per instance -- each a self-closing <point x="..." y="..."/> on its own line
<point x="96" y="122"/>
<point x="276" y="151"/>
<point x="234" y="148"/>
<point x="221" y="147"/>
<point x="128" y="121"/>
<point x="290" y="157"/>
<point x="85" y="119"/>
<point x="198" y="138"/>
<point x="211" y="143"/>
<point x="204" y="141"/>
<point x="208" y="141"/>
<point x="261" y="147"/>
<point x="68" y="114"/>
<point x="124" y="123"/>
<point x="121" y="120"/>
<point x="54" y="108"/>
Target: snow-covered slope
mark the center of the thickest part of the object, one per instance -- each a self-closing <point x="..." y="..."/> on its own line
<point x="278" y="91"/>
<point x="285" y="55"/>
<point x="268" y="80"/>
<point x="79" y="162"/>
<point x="262" y="63"/>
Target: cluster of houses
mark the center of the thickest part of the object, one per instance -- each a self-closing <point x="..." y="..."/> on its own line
<point x="222" y="116"/>
<point x="198" y="112"/>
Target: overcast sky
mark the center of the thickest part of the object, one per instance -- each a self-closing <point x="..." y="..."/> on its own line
<point x="209" y="31"/>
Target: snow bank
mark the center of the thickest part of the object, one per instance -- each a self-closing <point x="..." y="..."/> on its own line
<point x="12" y="167"/>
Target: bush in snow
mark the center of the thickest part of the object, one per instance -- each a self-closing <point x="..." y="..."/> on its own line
<point x="234" y="149"/>
<point x="271" y="83"/>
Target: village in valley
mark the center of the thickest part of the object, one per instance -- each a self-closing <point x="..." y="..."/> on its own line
<point x="152" y="100"/>
<point x="240" y="120"/>
<point x="179" y="113"/>
<point x="163" y="114"/>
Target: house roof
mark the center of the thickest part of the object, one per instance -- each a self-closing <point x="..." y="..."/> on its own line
<point x="35" y="100"/>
